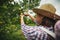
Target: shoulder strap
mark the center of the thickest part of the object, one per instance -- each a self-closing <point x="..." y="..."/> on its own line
<point x="47" y="31"/>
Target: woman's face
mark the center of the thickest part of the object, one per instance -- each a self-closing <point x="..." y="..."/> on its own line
<point x="39" y="19"/>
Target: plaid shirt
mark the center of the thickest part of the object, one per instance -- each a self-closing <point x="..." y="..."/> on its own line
<point x="34" y="33"/>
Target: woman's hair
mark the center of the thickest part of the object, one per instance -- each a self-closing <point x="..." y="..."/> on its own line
<point x="47" y="22"/>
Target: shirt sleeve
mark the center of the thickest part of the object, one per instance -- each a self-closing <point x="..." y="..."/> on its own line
<point x="27" y="30"/>
<point x="33" y="32"/>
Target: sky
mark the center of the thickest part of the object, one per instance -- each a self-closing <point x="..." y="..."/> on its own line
<point x="55" y="3"/>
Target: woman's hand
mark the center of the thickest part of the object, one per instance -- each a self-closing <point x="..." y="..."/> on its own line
<point x="26" y="14"/>
<point x="22" y="15"/>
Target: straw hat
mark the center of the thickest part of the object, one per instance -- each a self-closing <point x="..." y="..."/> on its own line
<point x="47" y="10"/>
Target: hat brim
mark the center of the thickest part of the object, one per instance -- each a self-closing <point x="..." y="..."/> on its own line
<point x="46" y="13"/>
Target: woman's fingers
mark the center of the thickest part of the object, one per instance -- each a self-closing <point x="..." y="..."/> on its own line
<point x="26" y="14"/>
<point x="21" y="15"/>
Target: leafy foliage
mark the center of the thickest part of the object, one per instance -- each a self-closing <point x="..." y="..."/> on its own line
<point x="9" y="23"/>
<point x="29" y="4"/>
<point x="10" y="20"/>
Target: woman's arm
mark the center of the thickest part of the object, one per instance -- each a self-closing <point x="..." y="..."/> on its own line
<point x="30" y="16"/>
<point x="25" y="28"/>
<point x="22" y="21"/>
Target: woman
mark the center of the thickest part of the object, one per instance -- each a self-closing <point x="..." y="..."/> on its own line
<point x="35" y="33"/>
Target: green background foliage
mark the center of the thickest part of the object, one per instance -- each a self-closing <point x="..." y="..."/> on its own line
<point x="10" y="11"/>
